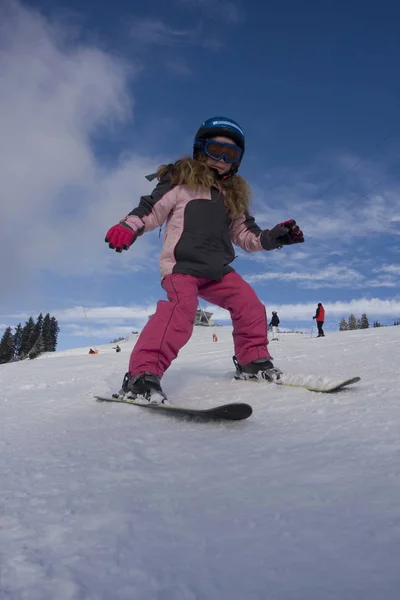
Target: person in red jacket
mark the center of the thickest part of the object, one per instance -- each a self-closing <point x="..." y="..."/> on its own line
<point x="320" y="318"/>
<point x="205" y="205"/>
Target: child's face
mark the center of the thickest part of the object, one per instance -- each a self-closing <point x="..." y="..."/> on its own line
<point x="220" y="165"/>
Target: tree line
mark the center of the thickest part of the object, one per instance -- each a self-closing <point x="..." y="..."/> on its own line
<point x="359" y="323"/>
<point x="30" y="340"/>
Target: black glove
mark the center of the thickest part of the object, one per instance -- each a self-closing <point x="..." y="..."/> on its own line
<point x="282" y="235"/>
<point x="295" y="234"/>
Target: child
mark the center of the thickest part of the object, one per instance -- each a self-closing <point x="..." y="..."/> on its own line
<point x="205" y="205"/>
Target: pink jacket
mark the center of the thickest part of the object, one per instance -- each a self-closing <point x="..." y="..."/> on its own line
<point x="199" y="232"/>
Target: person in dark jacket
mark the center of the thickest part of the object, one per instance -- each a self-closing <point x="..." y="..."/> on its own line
<point x="274" y="324"/>
<point x="205" y="205"/>
<point x="320" y="318"/>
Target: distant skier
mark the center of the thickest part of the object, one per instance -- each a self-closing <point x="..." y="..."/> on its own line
<point x="320" y="318"/>
<point x="117" y="348"/>
<point x="274" y="324"/>
<point x="205" y="205"/>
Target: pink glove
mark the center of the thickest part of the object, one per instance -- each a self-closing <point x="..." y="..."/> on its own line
<point x="121" y="236"/>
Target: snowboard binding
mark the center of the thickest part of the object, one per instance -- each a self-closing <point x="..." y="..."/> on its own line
<point x="259" y="368"/>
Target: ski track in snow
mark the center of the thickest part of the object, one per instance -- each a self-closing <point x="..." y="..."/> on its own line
<point x="109" y="502"/>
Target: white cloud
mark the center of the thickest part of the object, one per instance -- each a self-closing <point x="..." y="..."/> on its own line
<point x="178" y="66"/>
<point x="347" y="227"/>
<point x="57" y="199"/>
<point x="332" y="275"/>
<point x="99" y="332"/>
<point x="99" y="321"/>
<point x="362" y="204"/>
<point x="156" y="31"/>
<point x="373" y="307"/>
<point x="395" y="269"/>
<point x="109" y="322"/>
<point x="99" y="314"/>
<point x="116" y="314"/>
<point x="335" y="276"/>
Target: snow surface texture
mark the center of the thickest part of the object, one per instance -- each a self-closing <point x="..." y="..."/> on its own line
<point x="112" y="502"/>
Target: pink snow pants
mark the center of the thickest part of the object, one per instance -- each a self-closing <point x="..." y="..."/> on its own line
<point x="171" y="326"/>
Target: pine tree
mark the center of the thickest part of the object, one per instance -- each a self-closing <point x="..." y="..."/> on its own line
<point x="364" y="323"/>
<point x="37" y="332"/>
<point x="7" y="346"/>
<point x="18" y="342"/>
<point x="377" y="324"/>
<point x="343" y="325"/>
<point x="46" y="334"/>
<point x="352" y="322"/>
<point x="54" y="333"/>
<point x="37" y="348"/>
<point x="27" y="337"/>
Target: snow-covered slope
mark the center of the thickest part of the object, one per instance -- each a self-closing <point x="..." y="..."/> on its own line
<point x="111" y="502"/>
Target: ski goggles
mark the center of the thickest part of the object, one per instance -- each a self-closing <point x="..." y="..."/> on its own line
<point x="230" y="153"/>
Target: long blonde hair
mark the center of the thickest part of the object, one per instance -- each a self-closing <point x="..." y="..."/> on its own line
<point x="188" y="171"/>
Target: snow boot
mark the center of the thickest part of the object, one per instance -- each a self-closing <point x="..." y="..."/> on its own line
<point x="144" y="388"/>
<point x="262" y="367"/>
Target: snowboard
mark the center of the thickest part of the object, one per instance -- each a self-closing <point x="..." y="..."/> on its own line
<point x="327" y="389"/>
<point x="235" y="411"/>
<point x="312" y="386"/>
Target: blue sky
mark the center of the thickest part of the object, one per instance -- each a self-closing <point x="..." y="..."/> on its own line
<point x="94" y="96"/>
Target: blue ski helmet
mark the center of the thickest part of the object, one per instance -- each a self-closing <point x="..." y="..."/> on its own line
<point x="219" y="126"/>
